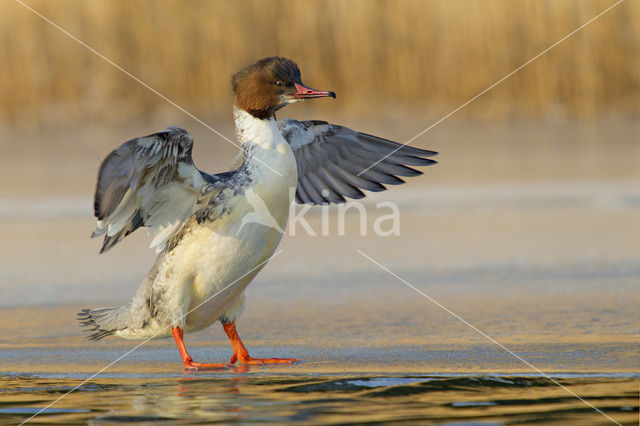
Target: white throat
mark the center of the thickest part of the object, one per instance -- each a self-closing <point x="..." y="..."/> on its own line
<point x="267" y="154"/>
<point x="255" y="131"/>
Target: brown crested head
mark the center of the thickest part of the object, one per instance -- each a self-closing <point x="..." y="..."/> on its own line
<point x="271" y="83"/>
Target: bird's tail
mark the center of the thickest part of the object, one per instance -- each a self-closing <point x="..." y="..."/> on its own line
<point x="103" y="322"/>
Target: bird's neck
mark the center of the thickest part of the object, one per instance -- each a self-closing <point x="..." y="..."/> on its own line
<point x="250" y="130"/>
<point x="267" y="155"/>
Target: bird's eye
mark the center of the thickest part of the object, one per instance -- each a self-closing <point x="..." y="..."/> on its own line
<point x="279" y="83"/>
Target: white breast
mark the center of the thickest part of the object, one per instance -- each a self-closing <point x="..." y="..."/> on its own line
<point x="272" y="163"/>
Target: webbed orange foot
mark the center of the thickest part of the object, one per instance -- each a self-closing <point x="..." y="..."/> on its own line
<point x="189" y="364"/>
<point x="199" y="366"/>
<point x="241" y="355"/>
<point x="249" y="360"/>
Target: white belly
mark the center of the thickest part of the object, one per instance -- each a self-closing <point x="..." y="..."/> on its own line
<point x="223" y="263"/>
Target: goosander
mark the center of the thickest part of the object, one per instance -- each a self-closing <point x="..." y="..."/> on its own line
<point x="208" y="251"/>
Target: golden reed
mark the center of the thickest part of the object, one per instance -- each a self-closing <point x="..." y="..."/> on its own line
<point x="425" y="54"/>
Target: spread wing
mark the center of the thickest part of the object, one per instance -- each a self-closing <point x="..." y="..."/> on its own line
<point x="150" y="181"/>
<point x="335" y="162"/>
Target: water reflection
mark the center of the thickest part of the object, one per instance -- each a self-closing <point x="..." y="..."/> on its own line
<point x="256" y="396"/>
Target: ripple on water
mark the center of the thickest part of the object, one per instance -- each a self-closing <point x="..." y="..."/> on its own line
<point x="189" y="399"/>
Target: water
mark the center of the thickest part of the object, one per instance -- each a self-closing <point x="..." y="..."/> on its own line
<point x="349" y="380"/>
<point x="260" y="396"/>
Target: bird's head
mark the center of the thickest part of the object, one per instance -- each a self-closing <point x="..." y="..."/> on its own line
<point x="271" y="83"/>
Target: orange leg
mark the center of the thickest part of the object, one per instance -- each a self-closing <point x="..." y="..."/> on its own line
<point x="241" y="354"/>
<point x="186" y="358"/>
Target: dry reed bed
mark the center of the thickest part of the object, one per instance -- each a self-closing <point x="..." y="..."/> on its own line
<point x="432" y="55"/>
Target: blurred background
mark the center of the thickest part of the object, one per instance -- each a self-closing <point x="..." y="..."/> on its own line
<point x="535" y="200"/>
<point x="397" y="67"/>
<point x="420" y="56"/>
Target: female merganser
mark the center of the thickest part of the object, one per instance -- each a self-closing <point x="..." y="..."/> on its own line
<point x="208" y="252"/>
